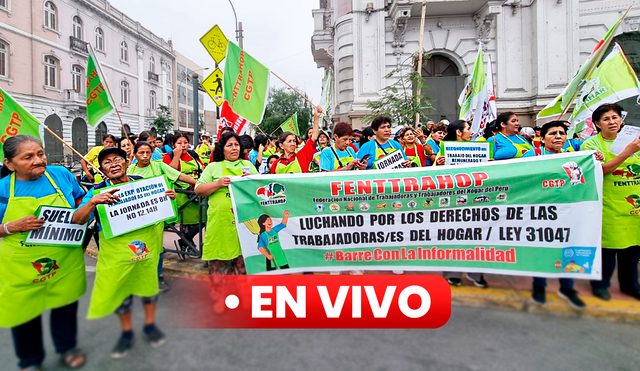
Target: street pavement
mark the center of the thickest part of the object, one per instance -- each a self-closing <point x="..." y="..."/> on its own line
<point x="473" y="339"/>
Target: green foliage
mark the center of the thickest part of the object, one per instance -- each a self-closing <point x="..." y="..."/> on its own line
<point x="399" y="100"/>
<point x="281" y="105"/>
<point x="163" y="123"/>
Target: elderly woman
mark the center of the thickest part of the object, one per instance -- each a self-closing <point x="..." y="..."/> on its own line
<point x="381" y="144"/>
<point x="340" y="156"/>
<point x="297" y="162"/>
<point x="508" y="143"/>
<point x="128" y="263"/>
<point x="620" y="220"/>
<point x="38" y="278"/>
<point x="415" y="151"/>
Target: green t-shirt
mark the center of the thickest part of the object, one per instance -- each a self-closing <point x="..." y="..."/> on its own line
<point x="214" y="171"/>
<point x="593" y="143"/>
<point x="160" y="168"/>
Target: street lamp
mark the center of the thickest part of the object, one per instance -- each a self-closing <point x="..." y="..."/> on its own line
<point x="238" y="26"/>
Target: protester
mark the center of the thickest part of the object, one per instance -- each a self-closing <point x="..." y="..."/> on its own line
<point x="414" y="151"/>
<point x="270" y="161"/>
<point x="380" y="146"/>
<point x="187" y="162"/>
<point x="259" y="156"/>
<point x="167" y="147"/>
<point x="118" y="277"/>
<point x="491" y="129"/>
<point x="527" y="133"/>
<point x="32" y="184"/>
<point x="292" y="161"/>
<point x="160" y="144"/>
<point x="367" y="135"/>
<point x="204" y="148"/>
<point x="438" y="132"/>
<point x="508" y="143"/>
<point x="323" y="142"/>
<point x="340" y="156"/>
<point x="620" y="225"/>
<point x="428" y="128"/>
<point x="145" y="168"/>
<point x="537" y="139"/>
<point x="92" y="156"/>
<point x="150" y="137"/>
<point x="247" y="146"/>
<point x="125" y="144"/>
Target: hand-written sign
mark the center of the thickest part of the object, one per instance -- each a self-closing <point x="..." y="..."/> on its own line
<point x="466" y="152"/>
<point x="394" y="160"/>
<point x="142" y="203"/>
<point x="57" y="230"/>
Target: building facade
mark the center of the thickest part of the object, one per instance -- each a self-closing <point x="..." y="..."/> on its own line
<point x="183" y="86"/>
<point x="43" y="61"/>
<point x="535" y="47"/>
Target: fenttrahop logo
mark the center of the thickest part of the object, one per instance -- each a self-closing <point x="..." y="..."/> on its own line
<point x="272" y="194"/>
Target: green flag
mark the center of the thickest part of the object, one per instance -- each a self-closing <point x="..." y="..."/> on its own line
<point x="99" y="105"/>
<point x="291" y="124"/>
<point x="614" y="80"/>
<point x="15" y="120"/>
<point x="558" y="105"/>
<point x="469" y="97"/>
<point x="245" y="84"/>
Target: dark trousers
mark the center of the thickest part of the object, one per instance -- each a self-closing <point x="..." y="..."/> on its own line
<point x="565" y="283"/>
<point x="627" y="269"/>
<point x="27" y="338"/>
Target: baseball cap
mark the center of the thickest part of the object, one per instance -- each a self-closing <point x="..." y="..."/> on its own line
<point x="109" y="150"/>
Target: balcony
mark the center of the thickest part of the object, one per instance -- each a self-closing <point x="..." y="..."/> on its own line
<point x="153" y="77"/>
<point x="152" y="113"/>
<point x="78" y="45"/>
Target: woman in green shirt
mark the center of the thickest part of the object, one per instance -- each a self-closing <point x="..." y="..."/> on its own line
<point x="620" y="203"/>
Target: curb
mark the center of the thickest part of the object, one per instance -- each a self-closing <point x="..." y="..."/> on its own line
<point x="616" y="310"/>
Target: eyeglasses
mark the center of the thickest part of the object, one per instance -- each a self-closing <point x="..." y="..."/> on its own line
<point x="108" y="164"/>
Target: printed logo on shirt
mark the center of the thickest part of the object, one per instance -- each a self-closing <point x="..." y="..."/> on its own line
<point x="634" y="200"/>
<point x="272" y="194"/>
<point x="631" y="171"/>
<point x="574" y="172"/>
<point x="46" y="268"/>
<point x="139" y="249"/>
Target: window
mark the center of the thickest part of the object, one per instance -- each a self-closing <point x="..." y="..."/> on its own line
<point x="182" y="117"/>
<point x="50" y="72"/>
<point x="77" y="73"/>
<point x="168" y="73"/>
<point x="4" y="4"/>
<point x="152" y="100"/>
<point x="50" y="16"/>
<point x="4" y="59"/>
<point x="169" y="102"/>
<point x="124" y="52"/>
<point x="77" y="27"/>
<point x="152" y="64"/>
<point x="182" y="95"/>
<point x="99" y="39"/>
<point x="124" y="92"/>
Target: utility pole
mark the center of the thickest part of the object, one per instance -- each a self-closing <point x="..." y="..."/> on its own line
<point x="196" y="114"/>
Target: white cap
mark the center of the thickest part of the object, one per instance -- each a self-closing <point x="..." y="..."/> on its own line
<point x="528" y="131"/>
<point x="206" y="134"/>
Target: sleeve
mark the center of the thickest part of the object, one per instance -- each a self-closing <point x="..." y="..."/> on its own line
<point x="171" y="173"/>
<point x="500" y="152"/>
<point x="279" y="227"/>
<point x="590" y="144"/>
<point x="367" y="149"/>
<point x="353" y="147"/>
<point x="421" y="154"/>
<point x="92" y="154"/>
<point x="262" y="239"/>
<point x="305" y="155"/>
<point x="253" y="156"/>
<point x="207" y="175"/>
<point x="327" y="160"/>
<point x="166" y="159"/>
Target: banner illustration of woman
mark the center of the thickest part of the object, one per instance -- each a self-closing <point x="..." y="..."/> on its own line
<point x="268" y="239"/>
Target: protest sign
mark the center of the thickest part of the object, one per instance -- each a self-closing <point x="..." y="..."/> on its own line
<point x="466" y="152"/>
<point x="57" y="230"/>
<point x="535" y="216"/>
<point x="626" y="135"/>
<point x="142" y="203"/>
<point x="393" y="160"/>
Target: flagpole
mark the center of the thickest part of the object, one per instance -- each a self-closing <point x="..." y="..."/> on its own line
<point x="74" y="150"/>
<point x="593" y="66"/>
<point x="258" y="127"/>
<point x="115" y="107"/>
<point x="419" y="67"/>
<point x="294" y="89"/>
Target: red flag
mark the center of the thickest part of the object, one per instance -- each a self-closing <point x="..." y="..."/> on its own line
<point x="232" y="119"/>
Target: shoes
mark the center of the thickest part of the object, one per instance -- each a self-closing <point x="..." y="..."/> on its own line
<point x="454" y="281"/>
<point x="334" y="273"/>
<point x="480" y="283"/>
<point x="356" y="273"/>
<point x="398" y="272"/>
<point x="538" y="296"/>
<point x="571" y="296"/>
<point x="122" y="348"/>
<point x="635" y="294"/>
<point x="601" y="293"/>
<point x="162" y="286"/>
<point x="156" y="338"/>
<point x="205" y="264"/>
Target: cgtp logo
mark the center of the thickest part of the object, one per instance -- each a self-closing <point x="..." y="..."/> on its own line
<point x="574" y="172"/>
<point x="139" y="249"/>
<point x="272" y="194"/>
<point x="46" y="268"/>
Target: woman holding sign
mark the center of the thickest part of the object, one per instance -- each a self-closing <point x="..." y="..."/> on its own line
<point x="381" y="145"/>
<point x="459" y="131"/>
<point x="508" y="143"/>
<point x="39" y="277"/>
<point x="620" y="203"/>
<point x="127" y="263"/>
<point x="297" y="162"/>
<point x="146" y="168"/>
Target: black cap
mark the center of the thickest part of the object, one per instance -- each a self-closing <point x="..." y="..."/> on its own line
<point x="109" y="150"/>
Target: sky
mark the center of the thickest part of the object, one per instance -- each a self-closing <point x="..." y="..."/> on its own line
<point x="277" y="33"/>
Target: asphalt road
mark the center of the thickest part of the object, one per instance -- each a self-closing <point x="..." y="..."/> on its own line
<point x="473" y="339"/>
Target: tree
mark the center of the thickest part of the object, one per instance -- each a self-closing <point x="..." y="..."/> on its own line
<point x="281" y="105"/>
<point x="399" y="100"/>
<point x="163" y="122"/>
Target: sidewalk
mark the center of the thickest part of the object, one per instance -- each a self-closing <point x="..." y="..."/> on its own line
<point x="508" y="292"/>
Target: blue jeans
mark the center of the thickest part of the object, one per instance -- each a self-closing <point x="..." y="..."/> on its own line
<point x="565" y="283"/>
<point x="160" y="263"/>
